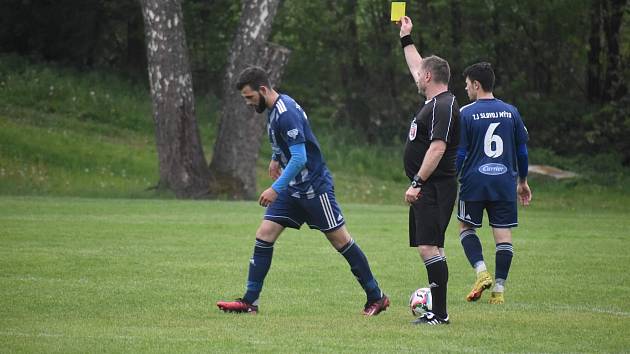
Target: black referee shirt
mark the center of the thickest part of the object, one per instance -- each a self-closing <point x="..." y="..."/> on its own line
<point x="437" y="119"/>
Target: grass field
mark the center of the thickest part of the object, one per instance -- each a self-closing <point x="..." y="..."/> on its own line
<point x="120" y="275"/>
<point x="139" y="271"/>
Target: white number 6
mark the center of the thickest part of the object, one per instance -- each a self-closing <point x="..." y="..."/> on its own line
<point x="489" y="139"/>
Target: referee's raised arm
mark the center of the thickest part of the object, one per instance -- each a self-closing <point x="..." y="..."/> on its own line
<point x="412" y="56"/>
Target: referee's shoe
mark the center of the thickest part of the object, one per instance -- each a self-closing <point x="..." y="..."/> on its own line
<point x="429" y="318"/>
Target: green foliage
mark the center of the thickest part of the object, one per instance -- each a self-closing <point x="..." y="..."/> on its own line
<point x="572" y="129"/>
<point x="348" y="70"/>
<point x="210" y="28"/>
<point x="608" y="128"/>
<point x="82" y="33"/>
<point x="595" y="171"/>
<point x="86" y="275"/>
<point x="346" y="67"/>
<point x="65" y="141"/>
<point x="94" y="96"/>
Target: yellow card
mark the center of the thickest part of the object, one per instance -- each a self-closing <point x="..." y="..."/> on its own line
<point x="398" y="10"/>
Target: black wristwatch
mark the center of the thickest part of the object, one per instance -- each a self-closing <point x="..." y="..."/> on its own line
<point x="417" y="182"/>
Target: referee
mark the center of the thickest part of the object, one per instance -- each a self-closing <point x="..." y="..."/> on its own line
<point x="429" y="158"/>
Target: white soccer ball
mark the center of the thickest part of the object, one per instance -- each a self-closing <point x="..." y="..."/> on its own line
<point x="420" y="301"/>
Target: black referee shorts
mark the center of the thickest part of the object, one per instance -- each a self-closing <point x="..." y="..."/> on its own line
<point x="430" y="214"/>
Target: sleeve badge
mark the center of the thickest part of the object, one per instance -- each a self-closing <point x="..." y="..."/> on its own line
<point x="293" y="133"/>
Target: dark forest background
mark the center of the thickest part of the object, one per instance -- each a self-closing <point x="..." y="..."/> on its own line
<point x="563" y="63"/>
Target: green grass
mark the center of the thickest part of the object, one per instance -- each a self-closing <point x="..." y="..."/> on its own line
<point x="60" y="161"/>
<point x="133" y="273"/>
<point x="70" y="133"/>
<point x="121" y="275"/>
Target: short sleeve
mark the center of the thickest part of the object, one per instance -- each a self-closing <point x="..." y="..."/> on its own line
<point x="442" y="119"/>
<point x="291" y="127"/>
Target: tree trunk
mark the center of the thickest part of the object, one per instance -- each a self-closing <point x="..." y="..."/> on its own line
<point x="233" y="167"/>
<point x="182" y="164"/>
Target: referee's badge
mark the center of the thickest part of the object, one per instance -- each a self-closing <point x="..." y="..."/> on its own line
<point x="412" y="130"/>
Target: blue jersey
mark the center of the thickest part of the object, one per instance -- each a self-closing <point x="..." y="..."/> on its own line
<point x="491" y="132"/>
<point x="288" y="125"/>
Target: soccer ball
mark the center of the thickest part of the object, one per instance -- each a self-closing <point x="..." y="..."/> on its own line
<point x="420" y="301"/>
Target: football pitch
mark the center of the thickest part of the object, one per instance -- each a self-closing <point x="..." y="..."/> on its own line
<point x="117" y="275"/>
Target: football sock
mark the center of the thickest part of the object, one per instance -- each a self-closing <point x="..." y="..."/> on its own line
<point x="361" y="270"/>
<point x="437" y="271"/>
<point x="472" y="247"/>
<point x="480" y="267"/>
<point x="499" y="285"/>
<point x="504" y="254"/>
<point x="258" y="267"/>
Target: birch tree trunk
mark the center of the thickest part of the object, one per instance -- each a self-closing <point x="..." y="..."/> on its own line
<point x="182" y="165"/>
<point x="233" y="166"/>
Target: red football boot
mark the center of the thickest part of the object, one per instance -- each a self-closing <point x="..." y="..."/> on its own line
<point x="238" y="306"/>
<point x="376" y="307"/>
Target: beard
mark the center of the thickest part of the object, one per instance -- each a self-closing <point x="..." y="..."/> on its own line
<point x="421" y="90"/>
<point x="262" y="104"/>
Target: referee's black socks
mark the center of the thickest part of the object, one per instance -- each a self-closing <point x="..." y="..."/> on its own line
<point x="437" y="271"/>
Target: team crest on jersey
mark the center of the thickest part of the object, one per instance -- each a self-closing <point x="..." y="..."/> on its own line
<point x="293" y="133"/>
<point x="412" y="130"/>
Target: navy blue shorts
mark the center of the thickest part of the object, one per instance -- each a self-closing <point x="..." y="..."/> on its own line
<point x="502" y="214"/>
<point x="320" y="212"/>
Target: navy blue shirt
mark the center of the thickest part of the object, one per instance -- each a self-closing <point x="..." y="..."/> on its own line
<point x="491" y="131"/>
<point x="288" y="125"/>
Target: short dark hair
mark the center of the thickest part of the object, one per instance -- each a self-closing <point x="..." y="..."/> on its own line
<point x="254" y="76"/>
<point x="483" y="73"/>
<point x="438" y="67"/>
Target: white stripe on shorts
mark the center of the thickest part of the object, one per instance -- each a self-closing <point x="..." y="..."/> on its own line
<point x="330" y="216"/>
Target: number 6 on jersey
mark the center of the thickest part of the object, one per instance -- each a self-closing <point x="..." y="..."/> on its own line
<point x="490" y="138"/>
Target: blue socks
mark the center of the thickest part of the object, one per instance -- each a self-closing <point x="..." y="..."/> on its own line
<point x="472" y="246"/>
<point x="259" y="265"/>
<point x="504" y="256"/>
<point x="361" y="270"/>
